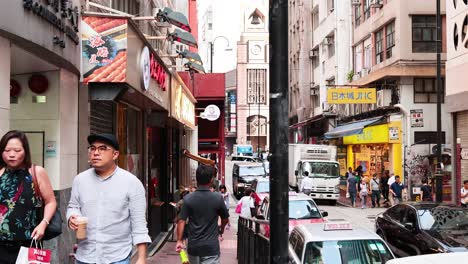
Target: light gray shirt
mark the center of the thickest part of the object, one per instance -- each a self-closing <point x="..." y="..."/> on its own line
<point x="115" y="207"/>
<point x="375" y="184"/>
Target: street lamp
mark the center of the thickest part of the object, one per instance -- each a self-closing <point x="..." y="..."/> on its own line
<point x="212" y="49"/>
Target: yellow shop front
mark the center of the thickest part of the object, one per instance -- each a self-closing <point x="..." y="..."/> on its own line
<point x="377" y="148"/>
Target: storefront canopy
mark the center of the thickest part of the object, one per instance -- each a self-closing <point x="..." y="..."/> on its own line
<point x="351" y="128"/>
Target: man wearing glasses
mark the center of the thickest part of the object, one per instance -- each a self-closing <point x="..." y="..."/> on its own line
<point x="114" y="202"/>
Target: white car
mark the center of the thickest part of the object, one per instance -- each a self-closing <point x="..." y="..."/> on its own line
<point x="336" y="242"/>
<point x="459" y="257"/>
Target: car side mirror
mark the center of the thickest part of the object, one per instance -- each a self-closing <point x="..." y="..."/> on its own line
<point x="324" y="213"/>
<point x="296" y="172"/>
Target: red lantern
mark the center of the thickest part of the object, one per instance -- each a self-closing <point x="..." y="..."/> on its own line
<point x="15" y="88"/>
<point x="38" y="83"/>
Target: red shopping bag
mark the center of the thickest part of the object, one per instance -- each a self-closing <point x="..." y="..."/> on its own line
<point x="33" y="256"/>
<point x="239" y="208"/>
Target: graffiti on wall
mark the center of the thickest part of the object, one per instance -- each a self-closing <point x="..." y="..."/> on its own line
<point x="417" y="166"/>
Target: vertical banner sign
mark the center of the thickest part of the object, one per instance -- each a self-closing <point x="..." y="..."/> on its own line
<point x="417" y="118"/>
<point x="104" y="47"/>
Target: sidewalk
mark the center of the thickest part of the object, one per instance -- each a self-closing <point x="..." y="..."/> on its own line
<point x="228" y="246"/>
<point x="347" y="202"/>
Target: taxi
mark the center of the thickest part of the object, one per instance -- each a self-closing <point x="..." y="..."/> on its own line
<point x="336" y="242"/>
<point x="302" y="210"/>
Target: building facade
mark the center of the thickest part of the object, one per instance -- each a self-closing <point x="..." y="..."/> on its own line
<point x="253" y="113"/>
<point x="457" y="92"/>
<point x="394" y="51"/>
<point x="316" y="63"/>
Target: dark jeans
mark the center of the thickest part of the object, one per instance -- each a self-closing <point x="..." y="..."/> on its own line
<point x="352" y="196"/>
<point x="9" y="251"/>
<point x="385" y="191"/>
<point x="375" y="198"/>
<point x="464" y="205"/>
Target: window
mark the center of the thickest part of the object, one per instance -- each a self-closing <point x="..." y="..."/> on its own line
<point x="390" y="39"/>
<point x="357" y="15"/>
<point x="256" y="86"/>
<point x="424" y="34"/>
<point x="316" y="58"/>
<point x="331" y="46"/>
<point x="427" y="137"/>
<point x="299" y="247"/>
<point x="396" y="212"/>
<point x="367" y="9"/>
<point x="210" y="26"/>
<point x="315" y="19"/>
<point x="379" y="46"/>
<point x="367" y="56"/>
<point x="358" y="58"/>
<point x="425" y="91"/>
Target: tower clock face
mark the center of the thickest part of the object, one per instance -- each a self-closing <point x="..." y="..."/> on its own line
<point x="256" y="49"/>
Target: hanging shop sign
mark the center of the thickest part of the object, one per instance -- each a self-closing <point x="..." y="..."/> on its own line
<point x="417" y="118"/>
<point x="59" y="13"/>
<point x="464" y="154"/>
<point x="104" y="45"/>
<point x="183" y="109"/>
<point x="394" y="132"/>
<point x="351" y="96"/>
<point x="211" y="113"/>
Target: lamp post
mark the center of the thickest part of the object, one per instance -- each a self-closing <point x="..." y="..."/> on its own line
<point x="212" y="50"/>
<point x="439" y="173"/>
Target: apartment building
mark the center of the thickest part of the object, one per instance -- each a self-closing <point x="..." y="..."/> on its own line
<point x="316" y="62"/>
<point x="457" y="91"/>
<point x="394" y="51"/>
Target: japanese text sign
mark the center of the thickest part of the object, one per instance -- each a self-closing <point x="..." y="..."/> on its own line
<point x="351" y="96"/>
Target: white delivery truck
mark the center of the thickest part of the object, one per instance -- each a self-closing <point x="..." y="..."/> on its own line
<point x="319" y="163"/>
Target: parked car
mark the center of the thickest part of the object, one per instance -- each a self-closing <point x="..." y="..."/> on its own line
<point x="459" y="257"/>
<point x="243" y="174"/>
<point x="261" y="187"/>
<point x="336" y="242"/>
<point x="423" y="228"/>
<point x="302" y="210"/>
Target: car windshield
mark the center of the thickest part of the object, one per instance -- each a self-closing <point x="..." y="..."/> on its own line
<point x="263" y="187"/>
<point x="251" y="171"/>
<point x="347" y="251"/>
<point x="303" y="209"/>
<point x="321" y="169"/>
<point x="443" y="218"/>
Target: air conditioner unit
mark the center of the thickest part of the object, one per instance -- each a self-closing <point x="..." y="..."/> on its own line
<point x="315" y="90"/>
<point x="356" y="2"/>
<point x="364" y="72"/>
<point x="313" y="53"/>
<point x="376" y="4"/>
<point x="384" y="98"/>
<point x="327" y="41"/>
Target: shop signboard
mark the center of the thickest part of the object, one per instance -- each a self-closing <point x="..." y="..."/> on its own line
<point x="211" y="113"/>
<point x="371" y="134"/>
<point x="182" y="106"/>
<point x="417" y="118"/>
<point x="351" y="96"/>
<point x="464" y="154"/>
<point x="104" y="49"/>
<point x="394" y="132"/>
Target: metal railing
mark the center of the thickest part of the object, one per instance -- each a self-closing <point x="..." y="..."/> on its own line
<point x="252" y="246"/>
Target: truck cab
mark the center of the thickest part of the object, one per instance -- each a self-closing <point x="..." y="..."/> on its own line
<point x="319" y="163"/>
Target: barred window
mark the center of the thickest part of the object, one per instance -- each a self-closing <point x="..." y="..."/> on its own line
<point x="390" y="39"/>
<point x="379" y="46"/>
<point x="425" y="90"/>
<point x="424" y="34"/>
<point x="256" y="86"/>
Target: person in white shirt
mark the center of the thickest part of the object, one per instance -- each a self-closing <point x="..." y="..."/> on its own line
<point x="306" y="185"/>
<point x="247" y="204"/>
<point x="391" y="180"/>
<point x="464" y="194"/>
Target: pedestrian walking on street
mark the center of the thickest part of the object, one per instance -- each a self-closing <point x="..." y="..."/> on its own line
<point x="391" y="180"/>
<point x="359" y="175"/>
<point x="375" y="191"/>
<point x="351" y="188"/>
<point x="464" y="194"/>
<point x="396" y="189"/>
<point x="225" y="194"/>
<point x="247" y="204"/>
<point x="384" y="185"/>
<point x="306" y="184"/>
<point x="202" y="208"/>
<point x="363" y="193"/>
<point x="426" y="190"/>
<point x="113" y="200"/>
<point x="19" y="221"/>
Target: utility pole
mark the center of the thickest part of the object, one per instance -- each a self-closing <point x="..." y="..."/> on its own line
<point x="278" y="28"/>
<point x="439" y="173"/>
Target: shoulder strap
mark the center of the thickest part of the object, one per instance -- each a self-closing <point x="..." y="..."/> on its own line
<point x="36" y="185"/>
